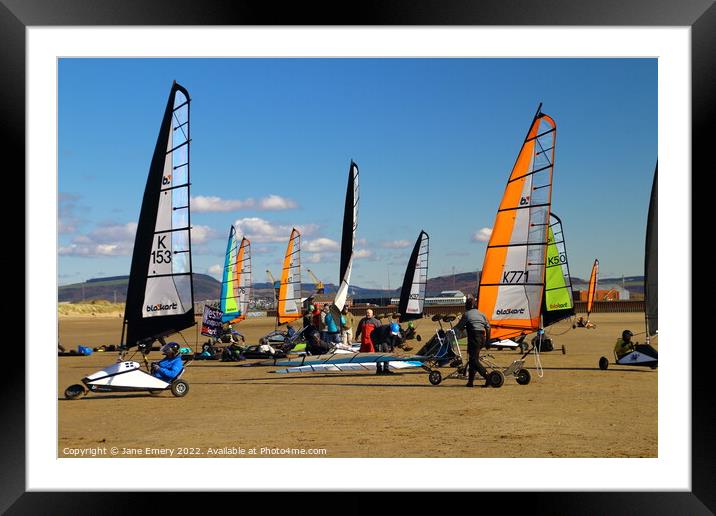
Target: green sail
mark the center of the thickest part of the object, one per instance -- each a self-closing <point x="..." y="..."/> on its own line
<point x="558" y="298"/>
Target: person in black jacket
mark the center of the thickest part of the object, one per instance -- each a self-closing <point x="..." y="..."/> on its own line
<point x="385" y="339"/>
<point x="314" y="344"/>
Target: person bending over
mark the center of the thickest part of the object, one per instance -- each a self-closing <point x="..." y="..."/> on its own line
<point x="385" y="339"/>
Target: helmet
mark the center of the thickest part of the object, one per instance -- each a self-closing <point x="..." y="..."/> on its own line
<point x="311" y="308"/>
<point x="627" y="333"/>
<point x="411" y="325"/>
<point x="395" y="328"/>
<point x="170" y="346"/>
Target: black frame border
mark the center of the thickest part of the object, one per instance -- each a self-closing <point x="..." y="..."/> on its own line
<point x="699" y="15"/>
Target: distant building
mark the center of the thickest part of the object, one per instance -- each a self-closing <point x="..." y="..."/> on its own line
<point x="605" y="293"/>
<point x="446" y="297"/>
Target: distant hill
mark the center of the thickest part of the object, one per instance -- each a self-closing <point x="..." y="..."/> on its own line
<point x="207" y="287"/>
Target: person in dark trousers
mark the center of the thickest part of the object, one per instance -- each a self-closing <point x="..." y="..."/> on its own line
<point x="385" y="339"/>
<point x="364" y="329"/>
<point x="477" y="328"/>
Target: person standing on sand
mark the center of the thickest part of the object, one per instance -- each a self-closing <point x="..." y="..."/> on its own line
<point x="364" y="329"/>
<point x="347" y="321"/>
<point x="333" y="334"/>
<point x="478" y="330"/>
<point x="322" y="323"/>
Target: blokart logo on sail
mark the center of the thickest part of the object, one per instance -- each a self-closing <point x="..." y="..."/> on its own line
<point x="557" y="306"/>
<point x="510" y="311"/>
<point x="167" y="179"/>
<point x="161" y="308"/>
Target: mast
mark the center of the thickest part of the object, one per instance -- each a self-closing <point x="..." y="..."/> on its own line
<point x="160" y="293"/>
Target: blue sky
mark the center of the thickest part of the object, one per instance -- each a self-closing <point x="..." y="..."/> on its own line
<point x="435" y="140"/>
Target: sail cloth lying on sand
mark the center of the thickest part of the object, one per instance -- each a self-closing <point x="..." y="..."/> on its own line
<point x="335" y="362"/>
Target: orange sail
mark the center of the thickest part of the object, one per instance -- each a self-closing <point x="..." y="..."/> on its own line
<point x="592" y="287"/>
<point x="242" y="279"/>
<point x="513" y="273"/>
<point x="289" y="293"/>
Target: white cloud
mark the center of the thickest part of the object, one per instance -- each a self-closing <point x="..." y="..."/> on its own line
<point x="261" y="230"/>
<point x="106" y="240"/>
<point x="363" y="254"/>
<point x="203" y="203"/>
<point x="202" y="234"/>
<point x="395" y="244"/>
<point x="312" y="258"/>
<point x="321" y="245"/>
<point x="483" y="235"/>
<point x="118" y="240"/>
<point x="215" y="270"/>
<point x="275" y="203"/>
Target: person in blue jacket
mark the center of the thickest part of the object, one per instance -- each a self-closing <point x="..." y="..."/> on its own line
<point x="169" y="367"/>
<point x="333" y="335"/>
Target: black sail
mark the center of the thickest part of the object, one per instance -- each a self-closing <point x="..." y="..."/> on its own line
<point x="160" y="297"/>
<point x="651" y="262"/>
<point x="350" y="224"/>
<point x="412" y="293"/>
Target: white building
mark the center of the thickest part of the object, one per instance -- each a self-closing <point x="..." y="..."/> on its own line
<point x="446" y="297"/>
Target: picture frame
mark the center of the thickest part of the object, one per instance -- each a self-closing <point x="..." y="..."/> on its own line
<point x="17" y="15"/>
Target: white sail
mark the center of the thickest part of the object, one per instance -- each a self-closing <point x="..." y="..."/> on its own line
<point x="168" y="287"/>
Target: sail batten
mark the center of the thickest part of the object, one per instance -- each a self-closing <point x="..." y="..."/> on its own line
<point x="513" y="273"/>
<point x="412" y="293"/>
<point x="160" y="297"/>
